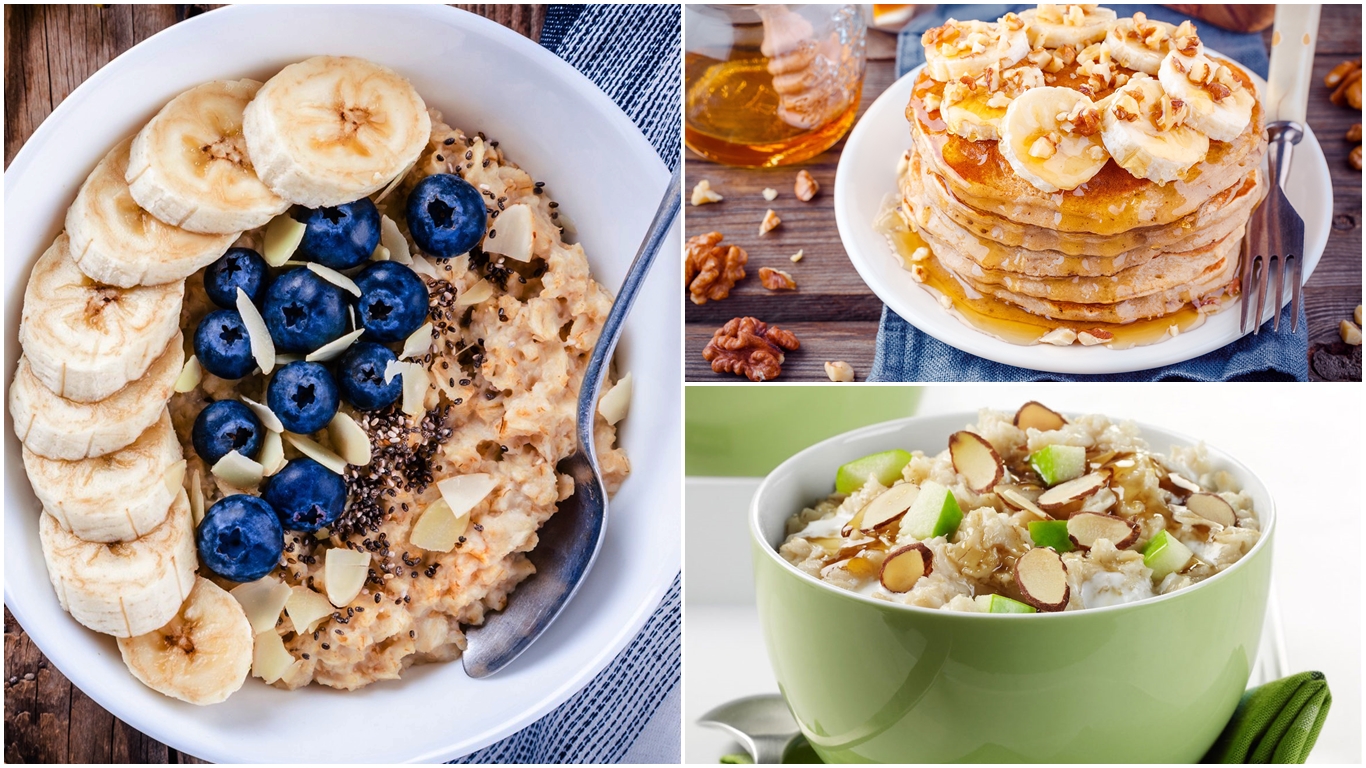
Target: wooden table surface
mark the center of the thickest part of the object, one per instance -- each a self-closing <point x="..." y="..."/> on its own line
<point x="49" y="50"/>
<point x="833" y="312"/>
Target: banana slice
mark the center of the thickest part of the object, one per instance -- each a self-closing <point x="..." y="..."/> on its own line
<point x="967" y="48"/>
<point x="127" y="588"/>
<point x="333" y="129"/>
<point x="116" y="497"/>
<point x="1141" y="44"/>
<point x="974" y="111"/>
<point x="115" y="242"/>
<point x="1051" y="137"/>
<point x="56" y="428"/>
<point x="202" y="655"/>
<point x="190" y="167"/>
<point x="1053" y="26"/>
<point x="85" y="341"/>
<point x="1220" y="107"/>
<point x="1142" y="130"/>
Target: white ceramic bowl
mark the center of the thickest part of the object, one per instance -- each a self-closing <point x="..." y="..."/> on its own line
<point x="552" y="121"/>
<point x="867" y="175"/>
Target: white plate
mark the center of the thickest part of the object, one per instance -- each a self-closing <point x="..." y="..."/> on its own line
<point x="867" y="174"/>
<point x="551" y="120"/>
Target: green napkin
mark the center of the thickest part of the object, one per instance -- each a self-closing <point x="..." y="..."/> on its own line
<point x="1275" y="723"/>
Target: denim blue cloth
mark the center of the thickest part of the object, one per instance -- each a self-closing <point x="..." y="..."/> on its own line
<point x="905" y="353"/>
<point x="630" y="711"/>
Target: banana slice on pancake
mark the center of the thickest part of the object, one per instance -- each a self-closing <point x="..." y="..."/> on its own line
<point x="1141" y="44"/>
<point x="1220" y="106"/>
<point x="116" y="242"/>
<point x="332" y="129"/>
<point x="1051" y="137"/>
<point x="967" y="48"/>
<point x="974" y="111"/>
<point x="190" y="166"/>
<point x="1144" y="131"/>
<point x="1053" y="26"/>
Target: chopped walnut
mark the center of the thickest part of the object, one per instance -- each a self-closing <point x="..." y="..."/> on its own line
<point x="776" y="279"/>
<point x="1059" y="337"/>
<point x="1186" y="40"/>
<point x="1169" y="113"/>
<point x="920" y="254"/>
<point x="806" y="186"/>
<point x="770" y="222"/>
<point x="839" y="371"/>
<point x="770" y="194"/>
<point x="1094" y="336"/>
<point x="1355" y="157"/>
<point x="749" y="347"/>
<point x="1339" y="73"/>
<point x="1342" y="94"/>
<point x="1012" y="22"/>
<point x="703" y="194"/>
<point x="1044" y="147"/>
<point x="1125" y="108"/>
<point x="919" y="274"/>
<point x="711" y="268"/>
<point x="796" y="257"/>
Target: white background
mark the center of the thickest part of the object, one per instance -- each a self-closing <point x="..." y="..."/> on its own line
<point x="1304" y="441"/>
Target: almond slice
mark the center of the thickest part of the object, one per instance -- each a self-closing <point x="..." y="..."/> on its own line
<point x="175" y="476"/>
<point x="1183" y="484"/>
<point x="263" y="412"/>
<point x="463" y="492"/>
<point x="475" y="294"/>
<point x="416" y="382"/>
<point x="262" y="345"/>
<point x="393" y="184"/>
<point x="1041" y="576"/>
<point x="351" y="441"/>
<point x="239" y="471"/>
<point x="515" y="233"/>
<point x="283" y="235"/>
<point x="334" y="348"/>
<point x="262" y="600"/>
<point x="190" y="375"/>
<point x="308" y="447"/>
<point x="975" y="459"/>
<point x="334" y="277"/>
<point x="904" y="567"/>
<point x="379" y="254"/>
<point x="887" y="507"/>
<point x="614" y="405"/>
<point x="1014" y="497"/>
<point x="1213" y="508"/>
<point x="1038" y="416"/>
<point x="344" y="572"/>
<point x="439" y="529"/>
<point x="1060" y="495"/>
<point x="269" y="657"/>
<point x="1086" y="528"/>
<point x="196" y="498"/>
<point x="272" y="456"/>
<point x="392" y="239"/>
<point x="418" y="343"/>
<point x="306" y="609"/>
<point x="425" y="267"/>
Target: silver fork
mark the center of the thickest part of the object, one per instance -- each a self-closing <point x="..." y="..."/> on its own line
<point x="570" y="540"/>
<point x="1274" y="247"/>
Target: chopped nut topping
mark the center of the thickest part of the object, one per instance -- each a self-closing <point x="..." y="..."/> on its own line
<point x="770" y="222"/>
<point x="1043" y="147"/>
<point x="933" y="102"/>
<point x="805" y="187"/>
<point x="1125" y="108"/>
<point x="1186" y="40"/>
<point x="839" y="371"/>
<point x="711" y="268"/>
<point x="703" y="194"/>
<point x="920" y="254"/>
<point x="1168" y="113"/>
<point x="1075" y="16"/>
<point x="919" y="274"/>
<point x="796" y="257"/>
<point x="1095" y="336"/>
<point x="1355" y="157"/>
<point x="776" y="279"/>
<point x="1012" y="22"/>
<point x="770" y="194"/>
<point x="1339" y="73"/>
<point x="749" y="347"/>
<point x="1060" y="337"/>
<point x="1341" y="95"/>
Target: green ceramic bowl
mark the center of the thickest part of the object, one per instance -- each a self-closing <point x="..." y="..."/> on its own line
<point x="872" y="681"/>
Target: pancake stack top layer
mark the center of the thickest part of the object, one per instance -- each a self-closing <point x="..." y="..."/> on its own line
<point x="1081" y="167"/>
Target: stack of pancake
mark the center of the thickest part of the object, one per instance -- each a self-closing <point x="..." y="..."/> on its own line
<point x="1102" y="173"/>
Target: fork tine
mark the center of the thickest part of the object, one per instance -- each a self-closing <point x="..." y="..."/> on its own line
<point x="1296" y="278"/>
<point x="1279" y="274"/>
<point x="1248" y="267"/>
<point x="1264" y="267"/>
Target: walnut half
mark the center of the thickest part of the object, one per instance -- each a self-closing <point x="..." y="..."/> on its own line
<point x="711" y="268"/>
<point x="749" y="347"/>
<point x="776" y="279"/>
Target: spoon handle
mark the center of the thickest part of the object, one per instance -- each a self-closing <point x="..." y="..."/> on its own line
<point x="611" y="328"/>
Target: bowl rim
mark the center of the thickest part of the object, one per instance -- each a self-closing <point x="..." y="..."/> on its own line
<point x="1266" y="517"/>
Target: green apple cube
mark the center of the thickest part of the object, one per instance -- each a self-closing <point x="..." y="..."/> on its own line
<point x="1052" y="534"/>
<point x="934" y="513"/>
<point x="1002" y="604"/>
<point x="1059" y="463"/>
<point x="1165" y="554"/>
<point x="883" y="467"/>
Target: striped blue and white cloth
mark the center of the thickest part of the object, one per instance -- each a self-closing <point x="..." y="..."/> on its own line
<point x="631" y="712"/>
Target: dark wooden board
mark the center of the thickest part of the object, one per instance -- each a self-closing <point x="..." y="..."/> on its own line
<point x="49" y="50"/>
<point x="831" y="295"/>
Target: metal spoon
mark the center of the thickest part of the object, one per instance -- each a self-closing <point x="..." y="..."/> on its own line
<point x="762" y="724"/>
<point x="570" y="540"/>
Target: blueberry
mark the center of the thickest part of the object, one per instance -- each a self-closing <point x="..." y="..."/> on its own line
<point x="304" y="311"/>
<point x="240" y="538"/>
<point x="360" y="374"/>
<point x="238" y="268"/>
<point x="340" y="237"/>
<point x="306" y="495"/>
<point x="303" y="396"/>
<point x="222" y="345"/>
<point x="446" y="215"/>
<point x="393" y="301"/>
<point x="224" y="427"/>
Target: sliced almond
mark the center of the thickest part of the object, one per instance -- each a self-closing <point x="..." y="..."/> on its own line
<point x="190" y="375"/>
<point x="475" y="294"/>
<point x="269" y="657"/>
<point x="887" y="507"/>
<point x="614" y="405"/>
<point x="313" y="450"/>
<point x="463" y="492"/>
<point x="393" y="184"/>
<point x="1062" y="494"/>
<point x="379" y="254"/>
<point x="262" y="600"/>
<point x="423" y="266"/>
<point x="1086" y="528"/>
<point x="418" y="343"/>
<point x="1039" y="416"/>
<point x="344" y="572"/>
<point x="903" y="567"/>
<point x="515" y="234"/>
<point x="975" y="459"/>
<point x="334" y="348"/>
<point x="1016" y="498"/>
<point x="416" y="382"/>
<point x="196" y="497"/>
<point x="352" y="443"/>
<point x="1184" y="484"/>
<point x="439" y="528"/>
<point x="392" y="239"/>
<point x="239" y="471"/>
<point x="263" y="412"/>
<point x="334" y="277"/>
<point x="272" y="456"/>
<point x="306" y="609"/>
<point x="1212" y="508"/>
<point x="262" y="345"/>
<point x="1041" y="576"/>
<point x="283" y="235"/>
<point x="175" y="476"/>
